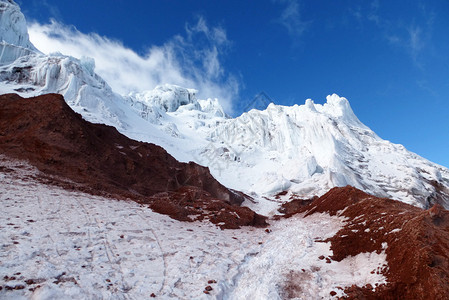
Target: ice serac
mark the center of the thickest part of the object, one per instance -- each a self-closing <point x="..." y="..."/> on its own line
<point x="14" y="40"/>
<point x="166" y="97"/>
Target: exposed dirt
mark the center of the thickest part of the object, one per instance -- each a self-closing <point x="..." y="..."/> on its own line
<point x="293" y="205"/>
<point x="417" y="242"/>
<point x="97" y="159"/>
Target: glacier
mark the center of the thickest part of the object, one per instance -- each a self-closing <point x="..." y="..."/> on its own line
<point x="301" y="150"/>
<point x="14" y="41"/>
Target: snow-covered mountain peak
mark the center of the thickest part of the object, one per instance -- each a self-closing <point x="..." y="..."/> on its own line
<point x="280" y="155"/>
<point x="308" y="149"/>
<point x="339" y="107"/>
<point x="335" y="107"/>
<point x="310" y="105"/>
<point x="14" y="40"/>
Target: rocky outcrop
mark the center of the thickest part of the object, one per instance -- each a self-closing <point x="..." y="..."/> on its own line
<point x="98" y="159"/>
<point x="415" y="241"/>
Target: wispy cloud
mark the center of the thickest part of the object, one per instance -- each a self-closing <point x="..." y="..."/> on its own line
<point x="364" y="12"/>
<point x="427" y="86"/>
<point x="412" y="36"/>
<point x="373" y="13"/>
<point x="415" y="39"/>
<point x="192" y="60"/>
<point x="291" y="18"/>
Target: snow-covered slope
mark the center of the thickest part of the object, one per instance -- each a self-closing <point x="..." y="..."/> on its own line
<point x="304" y="149"/>
<point x="59" y="244"/>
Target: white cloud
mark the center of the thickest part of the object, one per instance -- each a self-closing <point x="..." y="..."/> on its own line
<point x="291" y="18"/>
<point x="415" y="41"/>
<point x="412" y="39"/>
<point x="412" y="35"/>
<point x="182" y="60"/>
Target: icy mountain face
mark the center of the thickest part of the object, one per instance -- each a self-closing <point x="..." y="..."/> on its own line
<point x="305" y="150"/>
<point x="14" y="40"/>
<point x="309" y="149"/>
<point x="151" y="116"/>
<point x="75" y="79"/>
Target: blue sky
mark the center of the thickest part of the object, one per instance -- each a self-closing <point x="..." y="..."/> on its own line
<point x="390" y="59"/>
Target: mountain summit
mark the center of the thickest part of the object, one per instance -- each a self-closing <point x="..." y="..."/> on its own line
<point x="310" y="148"/>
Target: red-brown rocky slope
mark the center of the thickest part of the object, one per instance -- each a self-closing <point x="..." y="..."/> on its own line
<point x="97" y="159"/>
<point x="417" y="242"/>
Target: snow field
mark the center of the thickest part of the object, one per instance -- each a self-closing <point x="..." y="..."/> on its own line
<point x="69" y="245"/>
